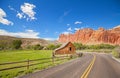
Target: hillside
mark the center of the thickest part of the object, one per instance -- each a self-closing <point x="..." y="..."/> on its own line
<point x="90" y="36"/>
<point x="25" y="41"/>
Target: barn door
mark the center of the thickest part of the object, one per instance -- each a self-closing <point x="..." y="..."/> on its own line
<point x="70" y="49"/>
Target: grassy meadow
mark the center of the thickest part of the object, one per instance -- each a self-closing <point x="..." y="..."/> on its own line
<point x="21" y="55"/>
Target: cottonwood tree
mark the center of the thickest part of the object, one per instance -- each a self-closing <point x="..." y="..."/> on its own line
<point x="16" y="44"/>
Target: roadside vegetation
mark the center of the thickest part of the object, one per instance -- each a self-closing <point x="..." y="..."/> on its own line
<point x="94" y="48"/>
<point x="100" y="48"/>
<point x="116" y="52"/>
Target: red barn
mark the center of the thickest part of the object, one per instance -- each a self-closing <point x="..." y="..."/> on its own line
<point x="66" y="48"/>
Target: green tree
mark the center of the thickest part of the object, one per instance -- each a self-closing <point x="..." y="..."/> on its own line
<point x="1" y="47"/>
<point x="38" y="47"/>
<point x="16" y="44"/>
<point x="52" y="46"/>
<point x="79" y="46"/>
<point x="58" y="45"/>
<point x="101" y="46"/>
<point x="4" y="45"/>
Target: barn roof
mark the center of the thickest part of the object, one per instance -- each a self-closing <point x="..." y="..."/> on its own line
<point x="64" y="45"/>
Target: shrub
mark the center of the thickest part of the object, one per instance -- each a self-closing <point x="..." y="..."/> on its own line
<point x="52" y="46"/>
<point x="105" y="46"/>
<point x="4" y="45"/>
<point x="1" y="46"/>
<point x="100" y="46"/>
<point x="79" y="46"/>
<point x="58" y="45"/>
<point x="116" y="52"/>
<point x="16" y="44"/>
<point x="80" y="54"/>
<point x="29" y="47"/>
<point x="37" y="47"/>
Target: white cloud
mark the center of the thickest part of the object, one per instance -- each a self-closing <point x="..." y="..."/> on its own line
<point x="78" y="22"/>
<point x="11" y="8"/>
<point x="20" y="15"/>
<point x="51" y="39"/>
<point x="61" y="18"/>
<point x="66" y="32"/>
<point x="79" y="28"/>
<point x="27" y="11"/>
<point x="69" y="29"/>
<point x="2" y="18"/>
<point x="117" y="26"/>
<point x="25" y="34"/>
<point x="76" y="29"/>
<point x="82" y="27"/>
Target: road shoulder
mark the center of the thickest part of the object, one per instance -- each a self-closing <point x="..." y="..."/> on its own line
<point x="117" y="59"/>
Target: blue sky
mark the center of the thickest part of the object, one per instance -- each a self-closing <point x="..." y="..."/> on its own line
<point x="49" y="18"/>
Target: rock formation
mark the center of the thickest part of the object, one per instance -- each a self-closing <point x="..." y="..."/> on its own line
<point x="90" y="36"/>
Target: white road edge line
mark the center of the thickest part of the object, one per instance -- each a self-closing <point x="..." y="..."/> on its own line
<point x="116" y="59"/>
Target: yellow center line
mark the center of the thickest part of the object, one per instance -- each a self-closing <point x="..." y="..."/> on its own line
<point x="87" y="71"/>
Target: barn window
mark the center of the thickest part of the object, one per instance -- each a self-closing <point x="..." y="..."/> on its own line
<point x="70" y="48"/>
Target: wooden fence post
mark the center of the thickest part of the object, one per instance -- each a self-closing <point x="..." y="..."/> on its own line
<point x="28" y="64"/>
<point x="53" y="60"/>
<point x="53" y="57"/>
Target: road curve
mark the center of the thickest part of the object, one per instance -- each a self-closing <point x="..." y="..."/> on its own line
<point x="104" y="67"/>
<point x="71" y="69"/>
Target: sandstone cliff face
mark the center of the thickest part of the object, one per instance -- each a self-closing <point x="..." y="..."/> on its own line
<point x="90" y="36"/>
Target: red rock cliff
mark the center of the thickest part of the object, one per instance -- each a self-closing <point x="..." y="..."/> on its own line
<point x="90" y="36"/>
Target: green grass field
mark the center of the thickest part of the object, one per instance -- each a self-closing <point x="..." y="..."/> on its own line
<point x="21" y="55"/>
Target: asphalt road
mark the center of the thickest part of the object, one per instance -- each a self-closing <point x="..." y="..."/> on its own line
<point x="103" y="67"/>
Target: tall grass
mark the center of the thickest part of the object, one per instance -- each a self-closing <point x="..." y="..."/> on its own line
<point x="116" y="52"/>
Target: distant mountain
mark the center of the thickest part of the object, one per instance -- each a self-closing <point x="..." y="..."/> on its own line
<point x="25" y="41"/>
<point x="90" y="36"/>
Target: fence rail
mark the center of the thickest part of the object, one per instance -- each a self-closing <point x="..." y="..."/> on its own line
<point x="28" y="62"/>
